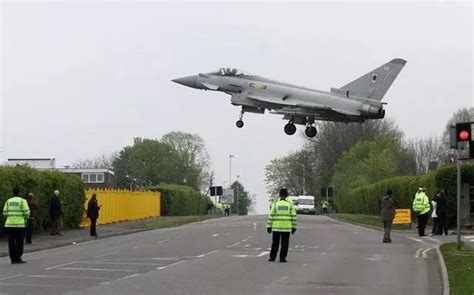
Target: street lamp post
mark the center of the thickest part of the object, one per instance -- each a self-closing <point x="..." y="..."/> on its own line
<point x="230" y="170"/>
<point x="237" y="194"/>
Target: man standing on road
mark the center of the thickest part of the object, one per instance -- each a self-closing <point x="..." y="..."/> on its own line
<point x="421" y="207"/>
<point x="55" y="212"/>
<point x="387" y="212"/>
<point x="16" y="211"/>
<point x="281" y="221"/>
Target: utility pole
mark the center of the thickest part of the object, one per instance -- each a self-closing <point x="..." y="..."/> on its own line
<point x="304" y="182"/>
<point x="230" y="170"/>
<point x="237" y="194"/>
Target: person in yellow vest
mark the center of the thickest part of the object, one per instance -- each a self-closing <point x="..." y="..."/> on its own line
<point x="16" y="211"/>
<point x="281" y="222"/>
<point x="324" y="206"/>
<point x="421" y="207"/>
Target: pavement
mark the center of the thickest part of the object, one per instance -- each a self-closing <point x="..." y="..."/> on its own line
<point x="229" y="256"/>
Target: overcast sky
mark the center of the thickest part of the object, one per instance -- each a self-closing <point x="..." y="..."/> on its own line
<point x="82" y="79"/>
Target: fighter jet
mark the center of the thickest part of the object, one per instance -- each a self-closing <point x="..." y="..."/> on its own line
<point x="357" y="101"/>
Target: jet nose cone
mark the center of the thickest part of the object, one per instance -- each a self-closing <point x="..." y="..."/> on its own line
<point x="189" y="81"/>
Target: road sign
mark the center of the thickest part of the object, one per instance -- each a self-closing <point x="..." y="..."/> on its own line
<point x="216" y="190"/>
<point x="402" y="216"/>
<point x="227" y="196"/>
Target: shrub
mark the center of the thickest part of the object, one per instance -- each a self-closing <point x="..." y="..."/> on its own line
<point x="180" y="200"/>
<point x="43" y="184"/>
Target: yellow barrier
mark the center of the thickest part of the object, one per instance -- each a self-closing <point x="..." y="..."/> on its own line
<point x="123" y="205"/>
<point x="402" y="216"/>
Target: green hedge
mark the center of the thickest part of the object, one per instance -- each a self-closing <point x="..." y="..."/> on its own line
<point x="179" y="200"/>
<point x="365" y="199"/>
<point x="43" y="184"/>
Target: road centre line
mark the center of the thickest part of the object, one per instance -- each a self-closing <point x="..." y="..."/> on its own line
<point x="234" y="244"/>
<point x="11" y="277"/>
<point x="425" y="252"/>
<point x="215" y="235"/>
<point x="107" y="254"/>
<point x="208" y="253"/>
<point x="97" y="269"/>
<point x="36" y="285"/>
<point x="60" y="265"/>
<point x="67" y="277"/>
<point x="124" y="278"/>
<point x="117" y="262"/>
<point x="169" y="265"/>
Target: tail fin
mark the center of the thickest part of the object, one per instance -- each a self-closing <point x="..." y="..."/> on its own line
<point x="375" y="84"/>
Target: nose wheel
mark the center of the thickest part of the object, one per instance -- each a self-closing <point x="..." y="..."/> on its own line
<point x="290" y="128"/>
<point x="310" y="131"/>
<point x="239" y="122"/>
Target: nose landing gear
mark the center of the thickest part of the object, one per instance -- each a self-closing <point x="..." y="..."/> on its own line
<point x="239" y="122"/>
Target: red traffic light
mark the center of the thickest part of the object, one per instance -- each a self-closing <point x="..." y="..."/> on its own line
<point x="464" y="135"/>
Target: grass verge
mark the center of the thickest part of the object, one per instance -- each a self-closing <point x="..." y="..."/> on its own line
<point x="171" y="221"/>
<point x="460" y="265"/>
<point x="366" y="220"/>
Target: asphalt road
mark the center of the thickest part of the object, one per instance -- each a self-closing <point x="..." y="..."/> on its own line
<point x="229" y="256"/>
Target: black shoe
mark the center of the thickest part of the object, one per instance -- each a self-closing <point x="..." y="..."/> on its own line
<point x="52" y="234"/>
<point x="271" y="260"/>
<point x="18" y="261"/>
<point x="283" y="260"/>
<point x="59" y="234"/>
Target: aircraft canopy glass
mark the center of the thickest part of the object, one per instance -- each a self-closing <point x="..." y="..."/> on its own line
<point x="231" y="72"/>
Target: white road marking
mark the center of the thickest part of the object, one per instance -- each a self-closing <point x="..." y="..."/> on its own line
<point x="67" y="277"/>
<point x="162" y="241"/>
<point x="305" y="264"/>
<point x="124" y="278"/>
<point x="234" y="244"/>
<point x="283" y="278"/>
<point x="254" y="226"/>
<point x="215" y="235"/>
<point x="425" y="252"/>
<point x="253" y="256"/>
<point x="107" y="254"/>
<point x="418" y="252"/>
<point x="10" y="277"/>
<point x="169" y="265"/>
<point x="377" y="257"/>
<point x="324" y="253"/>
<point x="35" y="285"/>
<point x="244" y="240"/>
<point x="96" y="269"/>
<point x="60" y="265"/>
<point x="263" y="253"/>
<point x="247" y="245"/>
<point x="208" y="253"/>
<point x="117" y="262"/>
<point x="417" y="240"/>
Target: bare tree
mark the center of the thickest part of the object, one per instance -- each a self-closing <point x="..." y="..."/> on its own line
<point x="428" y="153"/>
<point x="102" y="161"/>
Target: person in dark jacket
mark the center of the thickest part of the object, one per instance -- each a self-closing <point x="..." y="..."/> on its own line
<point x="31" y="222"/>
<point x="93" y="213"/>
<point x="387" y="212"/>
<point x="55" y="212"/>
<point x="442" y="212"/>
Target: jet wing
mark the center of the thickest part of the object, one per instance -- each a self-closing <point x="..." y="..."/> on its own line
<point x="284" y="101"/>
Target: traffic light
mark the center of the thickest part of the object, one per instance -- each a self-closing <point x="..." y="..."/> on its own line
<point x="463" y="132"/>
<point x="464" y="140"/>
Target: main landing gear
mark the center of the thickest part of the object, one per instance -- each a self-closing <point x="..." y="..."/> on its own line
<point x="310" y="130"/>
<point x="290" y="128"/>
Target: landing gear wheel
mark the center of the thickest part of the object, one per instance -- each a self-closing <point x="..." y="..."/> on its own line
<point x="239" y="124"/>
<point x="310" y="131"/>
<point x="290" y="129"/>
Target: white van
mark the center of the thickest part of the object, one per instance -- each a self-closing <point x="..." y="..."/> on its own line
<point x="305" y="205"/>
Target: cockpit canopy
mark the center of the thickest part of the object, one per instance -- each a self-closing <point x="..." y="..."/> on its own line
<point x="230" y="72"/>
